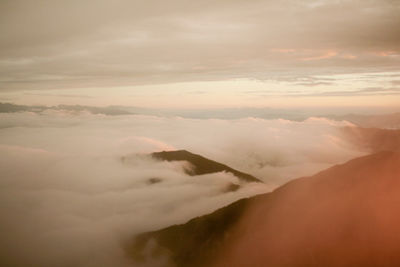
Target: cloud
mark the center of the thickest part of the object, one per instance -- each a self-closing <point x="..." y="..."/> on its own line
<point x="60" y="95"/>
<point x="8" y="107"/>
<point x="361" y="92"/>
<point x="68" y="198"/>
<point x="325" y="55"/>
<point x="131" y="42"/>
<point x="396" y="82"/>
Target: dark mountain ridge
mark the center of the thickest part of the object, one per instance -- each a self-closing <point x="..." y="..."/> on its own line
<point x="201" y="165"/>
<point x="346" y="215"/>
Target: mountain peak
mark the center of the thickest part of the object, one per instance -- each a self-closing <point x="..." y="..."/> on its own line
<point x="346" y="215"/>
<point x="201" y="165"/>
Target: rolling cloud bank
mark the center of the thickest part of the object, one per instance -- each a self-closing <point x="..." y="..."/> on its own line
<point x="66" y="189"/>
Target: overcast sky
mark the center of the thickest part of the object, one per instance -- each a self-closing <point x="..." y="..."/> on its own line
<point x="225" y="52"/>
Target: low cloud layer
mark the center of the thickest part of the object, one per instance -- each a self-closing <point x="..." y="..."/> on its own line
<point x="68" y="199"/>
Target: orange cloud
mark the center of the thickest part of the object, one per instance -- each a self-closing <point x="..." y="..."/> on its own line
<point x="386" y="53"/>
<point x="283" y="50"/>
<point x="328" y="54"/>
<point x="349" y="56"/>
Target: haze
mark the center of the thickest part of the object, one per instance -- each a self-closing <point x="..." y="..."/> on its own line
<point x="89" y="90"/>
<point x="190" y="53"/>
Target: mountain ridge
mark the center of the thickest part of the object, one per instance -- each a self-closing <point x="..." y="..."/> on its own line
<point x="343" y="189"/>
<point x="201" y="165"/>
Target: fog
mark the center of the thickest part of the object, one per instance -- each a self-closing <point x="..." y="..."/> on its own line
<point x="343" y="216"/>
<point x="67" y="198"/>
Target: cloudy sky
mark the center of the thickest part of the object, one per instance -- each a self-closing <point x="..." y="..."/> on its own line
<point x="201" y="53"/>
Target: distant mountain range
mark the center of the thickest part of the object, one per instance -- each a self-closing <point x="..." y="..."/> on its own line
<point x="347" y="215"/>
<point x="112" y="111"/>
<point x="390" y="120"/>
<point x="374" y="139"/>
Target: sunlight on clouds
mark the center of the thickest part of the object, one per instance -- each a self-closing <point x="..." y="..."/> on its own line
<point x="336" y="90"/>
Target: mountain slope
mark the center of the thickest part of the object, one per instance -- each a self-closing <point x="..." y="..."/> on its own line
<point x="373" y="139"/>
<point x="201" y="165"/>
<point x="371" y="121"/>
<point x="194" y="243"/>
<point x="346" y="215"/>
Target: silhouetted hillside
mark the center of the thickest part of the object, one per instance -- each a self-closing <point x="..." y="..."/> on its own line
<point x="195" y="243"/>
<point x="346" y="215"/>
<point x="201" y="165"/>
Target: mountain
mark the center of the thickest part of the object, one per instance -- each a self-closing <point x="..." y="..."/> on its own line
<point x="373" y="139"/>
<point x="201" y="165"/>
<point x="346" y="215"/>
<point x="194" y="243"/>
<point x="109" y="110"/>
<point x="370" y="121"/>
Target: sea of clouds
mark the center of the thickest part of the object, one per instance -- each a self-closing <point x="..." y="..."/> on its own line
<point x="68" y="199"/>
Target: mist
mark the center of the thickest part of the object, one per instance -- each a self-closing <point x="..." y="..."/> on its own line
<point x="68" y="198"/>
<point x="343" y="216"/>
<point x="251" y="95"/>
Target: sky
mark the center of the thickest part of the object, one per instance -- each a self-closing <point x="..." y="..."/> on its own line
<point x="189" y="53"/>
